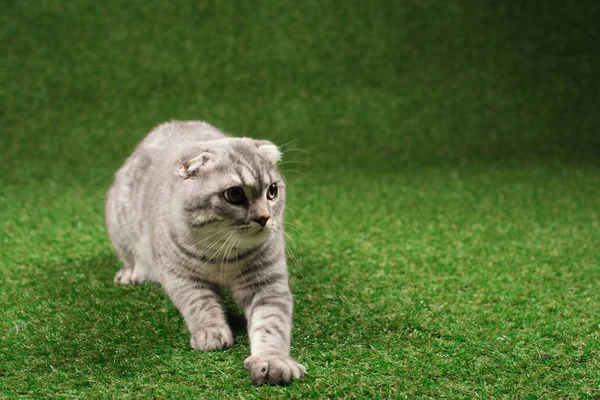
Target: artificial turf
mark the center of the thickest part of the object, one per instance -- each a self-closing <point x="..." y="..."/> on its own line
<point x="443" y="204"/>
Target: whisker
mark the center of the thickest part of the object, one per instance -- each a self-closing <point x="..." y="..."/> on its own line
<point x="293" y="254"/>
<point x="291" y="161"/>
<point x="300" y="150"/>
<point x="296" y="228"/>
<point x="237" y="264"/>
<point x="290" y="142"/>
<point x="208" y="237"/>
<point x="226" y="257"/>
<point x="209" y="247"/>
<point x="215" y="254"/>
<point x="293" y="170"/>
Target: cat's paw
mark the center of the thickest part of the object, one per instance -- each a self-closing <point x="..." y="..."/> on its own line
<point x="130" y="276"/>
<point x="124" y="276"/>
<point x="273" y="368"/>
<point x="214" y="338"/>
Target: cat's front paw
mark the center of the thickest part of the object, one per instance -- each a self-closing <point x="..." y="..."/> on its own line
<point x="273" y="368"/>
<point x="214" y="338"/>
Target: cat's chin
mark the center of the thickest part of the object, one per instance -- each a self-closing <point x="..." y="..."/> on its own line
<point x="250" y="238"/>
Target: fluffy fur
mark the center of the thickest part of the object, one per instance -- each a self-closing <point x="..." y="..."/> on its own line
<point x="174" y="219"/>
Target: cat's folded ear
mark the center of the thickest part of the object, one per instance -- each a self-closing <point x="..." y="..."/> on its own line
<point x="193" y="165"/>
<point x="269" y="150"/>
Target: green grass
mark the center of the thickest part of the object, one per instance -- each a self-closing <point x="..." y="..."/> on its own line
<point x="445" y="204"/>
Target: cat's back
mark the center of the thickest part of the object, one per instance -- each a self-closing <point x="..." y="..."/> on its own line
<point x="160" y="145"/>
<point x="147" y="164"/>
<point x="175" y="134"/>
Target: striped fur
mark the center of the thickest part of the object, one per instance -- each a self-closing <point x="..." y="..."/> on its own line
<point x="170" y="222"/>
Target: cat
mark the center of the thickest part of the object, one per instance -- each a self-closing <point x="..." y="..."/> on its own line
<point x="196" y="210"/>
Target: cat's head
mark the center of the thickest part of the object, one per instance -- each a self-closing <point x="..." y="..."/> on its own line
<point x="229" y="188"/>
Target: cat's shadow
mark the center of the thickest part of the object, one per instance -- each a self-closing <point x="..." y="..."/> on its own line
<point x="233" y="313"/>
<point x="155" y="294"/>
<point x="90" y="319"/>
<point x="235" y="316"/>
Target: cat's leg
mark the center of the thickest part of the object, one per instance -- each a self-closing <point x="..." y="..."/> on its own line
<point x="202" y="310"/>
<point x="123" y="276"/>
<point x="138" y="267"/>
<point x="115" y="216"/>
<point x="268" y="306"/>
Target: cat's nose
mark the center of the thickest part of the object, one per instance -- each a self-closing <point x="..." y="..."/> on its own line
<point x="262" y="220"/>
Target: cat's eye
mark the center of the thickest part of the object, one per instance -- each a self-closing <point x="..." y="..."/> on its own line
<point x="235" y="195"/>
<point x="272" y="191"/>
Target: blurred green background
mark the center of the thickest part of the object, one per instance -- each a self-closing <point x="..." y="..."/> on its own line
<point x="444" y="192"/>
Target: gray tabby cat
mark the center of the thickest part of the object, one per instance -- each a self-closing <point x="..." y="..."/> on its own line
<point x="195" y="210"/>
